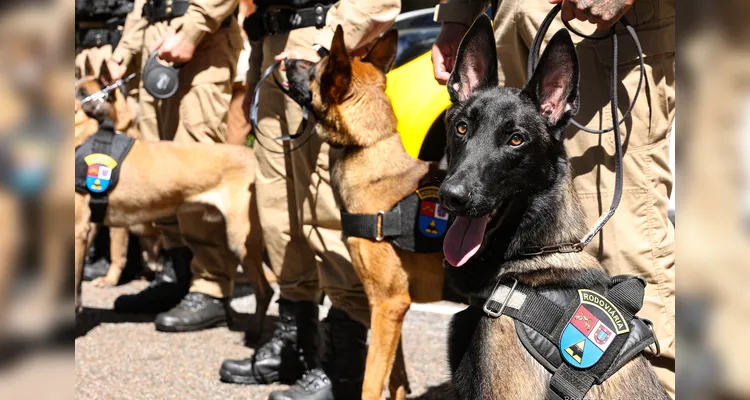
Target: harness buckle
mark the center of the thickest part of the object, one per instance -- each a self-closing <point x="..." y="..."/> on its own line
<point x="488" y="310"/>
<point x="655" y="347"/>
<point x="381" y="220"/>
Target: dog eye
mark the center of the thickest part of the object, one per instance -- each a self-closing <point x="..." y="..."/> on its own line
<point x="461" y="128"/>
<point x="516" y="140"/>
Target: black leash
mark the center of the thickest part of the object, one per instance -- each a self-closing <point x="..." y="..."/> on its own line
<point x="616" y="122"/>
<point x="301" y="129"/>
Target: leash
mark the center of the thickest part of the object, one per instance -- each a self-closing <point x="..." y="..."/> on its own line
<point x="301" y="129"/>
<point x="102" y="94"/>
<point x="616" y="122"/>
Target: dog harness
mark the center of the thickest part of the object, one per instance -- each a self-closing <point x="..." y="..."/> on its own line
<point x="416" y="224"/>
<point x="98" y="163"/>
<point x="581" y="336"/>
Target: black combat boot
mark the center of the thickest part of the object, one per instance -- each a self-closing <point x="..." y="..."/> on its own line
<point x="343" y="364"/>
<point x="292" y="350"/>
<point x="196" y="311"/>
<point x="167" y="288"/>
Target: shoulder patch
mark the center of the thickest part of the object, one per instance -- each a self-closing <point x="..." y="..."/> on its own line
<point x="433" y="220"/>
<point x="591" y="329"/>
<point x="99" y="171"/>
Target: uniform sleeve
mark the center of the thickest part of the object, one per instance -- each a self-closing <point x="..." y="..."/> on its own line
<point x="131" y="42"/>
<point x="363" y="21"/>
<point x="463" y="11"/>
<point x="205" y="16"/>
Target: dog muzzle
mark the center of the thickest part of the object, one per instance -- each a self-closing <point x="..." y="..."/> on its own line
<point x="160" y="81"/>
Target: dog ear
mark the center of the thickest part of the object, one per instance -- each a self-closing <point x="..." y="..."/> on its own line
<point x="338" y="71"/>
<point x="78" y="72"/>
<point x="554" y="85"/>
<point x="383" y="53"/>
<point x="88" y="68"/>
<point x="476" y="61"/>
<point x="104" y="75"/>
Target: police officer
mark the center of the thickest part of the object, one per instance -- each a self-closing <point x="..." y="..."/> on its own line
<point x="639" y="239"/>
<point x="300" y="219"/>
<point x="202" y="37"/>
<point x="99" y="26"/>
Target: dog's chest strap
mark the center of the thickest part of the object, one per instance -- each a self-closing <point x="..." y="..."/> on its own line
<point x="98" y="163"/>
<point x="416" y="224"/>
<point x="581" y="336"/>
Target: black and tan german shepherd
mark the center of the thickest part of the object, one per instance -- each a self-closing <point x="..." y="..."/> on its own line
<point x="509" y="187"/>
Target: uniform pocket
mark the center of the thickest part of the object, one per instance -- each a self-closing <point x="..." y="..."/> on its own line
<point x="204" y="111"/>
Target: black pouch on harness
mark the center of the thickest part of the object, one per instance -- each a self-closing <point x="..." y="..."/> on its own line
<point x="416" y="224"/>
<point x="97" y="166"/>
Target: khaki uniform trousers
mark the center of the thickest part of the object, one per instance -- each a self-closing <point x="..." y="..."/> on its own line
<point x="300" y="219"/>
<point x="639" y="239"/>
<point x="196" y="113"/>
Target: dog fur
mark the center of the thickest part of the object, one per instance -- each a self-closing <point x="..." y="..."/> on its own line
<point x="158" y="179"/>
<point x="374" y="172"/>
<point x="527" y="191"/>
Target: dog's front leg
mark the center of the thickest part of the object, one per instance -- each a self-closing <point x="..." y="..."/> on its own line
<point x="398" y="384"/>
<point x="387" y="287"/>
<point x="118" y="249"/>
<point x="82" y="232"/>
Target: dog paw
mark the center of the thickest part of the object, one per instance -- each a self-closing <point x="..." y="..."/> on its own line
<point x="103" y="282"/>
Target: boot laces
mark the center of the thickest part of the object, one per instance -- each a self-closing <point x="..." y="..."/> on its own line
<point x="277" y="341"/>
<point x="193" y="302"/>
<point x="313" y="380"/>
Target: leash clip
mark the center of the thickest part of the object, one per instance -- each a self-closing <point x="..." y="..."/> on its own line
<point x="655" y="347"/>
<point x="495" y="314"/>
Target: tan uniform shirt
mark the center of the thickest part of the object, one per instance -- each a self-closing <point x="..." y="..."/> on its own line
<point x="201" y="24"/>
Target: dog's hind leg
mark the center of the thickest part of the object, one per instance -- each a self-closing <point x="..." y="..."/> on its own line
<point x="118" y="245"/>
<point x="398" y="384"/>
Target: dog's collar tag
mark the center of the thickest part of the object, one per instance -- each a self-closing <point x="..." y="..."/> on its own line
<point x="159" y="80"/>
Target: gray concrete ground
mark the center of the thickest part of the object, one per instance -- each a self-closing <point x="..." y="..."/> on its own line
<point x="123" y="357"/>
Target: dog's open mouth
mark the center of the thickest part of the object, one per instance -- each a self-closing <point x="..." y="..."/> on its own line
<point x="466" y="235"/>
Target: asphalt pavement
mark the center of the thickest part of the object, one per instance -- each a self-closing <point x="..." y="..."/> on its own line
<point x="123" y="357"/>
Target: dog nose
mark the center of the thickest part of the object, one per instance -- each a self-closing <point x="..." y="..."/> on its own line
<point x="453" y="197"/>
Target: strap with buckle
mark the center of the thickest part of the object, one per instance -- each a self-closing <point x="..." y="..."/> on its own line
<point x="279" y="20"/>
<point x="377" y="226"/>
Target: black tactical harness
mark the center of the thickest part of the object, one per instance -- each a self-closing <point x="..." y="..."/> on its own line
<point x="415" y="224"/>
<point x="544" y="315"/>
<point x="110" y="144"/>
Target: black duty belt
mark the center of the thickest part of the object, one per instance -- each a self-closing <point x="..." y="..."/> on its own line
<point x="582" y="336"/>
<point x="98" y="162"/>
<point x="276" y="20"/>
<point x="165" y="10"/>
<point x="90" y="38"/>
<point x="417" y="223"/>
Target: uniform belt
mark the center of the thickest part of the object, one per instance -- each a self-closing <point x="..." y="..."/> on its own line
<point x="280" y="20"/>
<point x="157" y="11"/>
<point x="90" y="38"/>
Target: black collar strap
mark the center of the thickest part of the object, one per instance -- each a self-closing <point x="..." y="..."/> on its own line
<point x="384" y="224"/>
<point x="547" y="312"/>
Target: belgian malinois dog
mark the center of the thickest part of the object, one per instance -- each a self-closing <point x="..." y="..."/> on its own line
<point x="374" y="173"/>
<point x="158" y="179"/>
<point x="117" y="110"/>
<point x="509" y="186"/>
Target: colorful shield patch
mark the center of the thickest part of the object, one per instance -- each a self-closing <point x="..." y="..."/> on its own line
<point x="591" y="329"/>
<point x="99" y="172"/>
<point x="433" y="220"/>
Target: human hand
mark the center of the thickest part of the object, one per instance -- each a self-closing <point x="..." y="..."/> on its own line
<point x="445" y="48"/>
<point x="603" y="13"/>
<point x="173" y="47"/>
<point x="311" y="56"/>
<point x="116" y="70"/>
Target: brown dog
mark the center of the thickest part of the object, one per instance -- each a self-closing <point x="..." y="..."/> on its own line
<point x="374" y="174"/>
<point x="215" y="177"/>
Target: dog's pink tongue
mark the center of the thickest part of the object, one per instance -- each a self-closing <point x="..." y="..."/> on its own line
<point x="464" y="239"/>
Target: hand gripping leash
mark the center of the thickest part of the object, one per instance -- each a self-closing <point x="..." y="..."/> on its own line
<point x="616" y="121"/>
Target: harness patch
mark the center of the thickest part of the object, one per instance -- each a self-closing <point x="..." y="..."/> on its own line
<point x="591" y="329"/>
<point x="99" y="171"/>
<point x="433" y="220"/>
